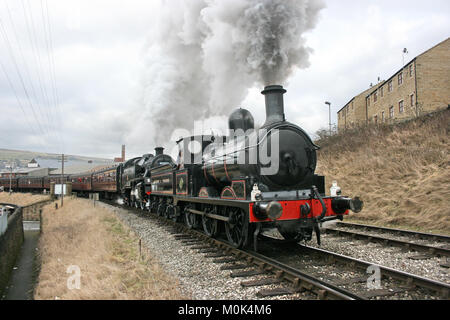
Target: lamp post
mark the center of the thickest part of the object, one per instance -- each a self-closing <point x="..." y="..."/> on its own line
<point x="329" y="114"/>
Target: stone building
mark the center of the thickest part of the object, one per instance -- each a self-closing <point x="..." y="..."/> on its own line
<point x="421" y="86"/>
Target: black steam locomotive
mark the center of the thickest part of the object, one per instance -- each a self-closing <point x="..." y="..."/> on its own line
<point x="247" y="181"/>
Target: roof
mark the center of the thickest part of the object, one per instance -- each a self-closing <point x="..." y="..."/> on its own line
<point x="83" y="168"/>
<point x="375" y="87"/>
<point x="22" y="170"/>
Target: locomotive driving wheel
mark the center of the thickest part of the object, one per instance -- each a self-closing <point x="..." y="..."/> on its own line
<point x="190" y="218"/>
<point x="161" y="209"/>
<point x="210" y="225"/>
<point x="236" y="228"/>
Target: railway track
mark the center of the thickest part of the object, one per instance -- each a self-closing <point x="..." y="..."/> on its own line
<point x="415" y="234"/>
<point x="408" y="281"/>
<point x="289" y="279"/>
<point x="437" y="245"/>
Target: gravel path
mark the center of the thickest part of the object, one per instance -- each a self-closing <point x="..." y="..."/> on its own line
<point x="199" y="277"/>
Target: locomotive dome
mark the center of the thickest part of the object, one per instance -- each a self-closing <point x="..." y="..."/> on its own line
<point x="241" y="119"/>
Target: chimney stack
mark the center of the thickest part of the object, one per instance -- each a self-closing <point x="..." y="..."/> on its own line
<point x="159" y="151"/>
<point x="123" y="153"/>
<point x="274" y="104"/>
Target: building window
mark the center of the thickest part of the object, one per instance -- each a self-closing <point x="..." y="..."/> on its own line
<point x="400" y="78"/>
<point x="391" y="112"/>
<point x="375" y="119"/>
<point x="375" y="97"/>
<point x="390" y="86"/>
<point x="412" y="100"/>
<point x="381" y="92"/>
<point x="411" y="70"/>
<point x="382" y="117"/>
<point x="400" y="107"/>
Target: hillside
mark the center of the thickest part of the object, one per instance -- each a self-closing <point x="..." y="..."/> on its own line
<point x="401" y="171"/>
<point x="45" y="159"/>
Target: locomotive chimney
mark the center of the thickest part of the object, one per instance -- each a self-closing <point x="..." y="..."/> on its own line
<point x="274" y="104"/>
<point x="159" y="151"/>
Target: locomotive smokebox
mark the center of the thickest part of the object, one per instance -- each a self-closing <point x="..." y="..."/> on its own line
<point x="274" y="104"/>
<point x="159" y="151"/>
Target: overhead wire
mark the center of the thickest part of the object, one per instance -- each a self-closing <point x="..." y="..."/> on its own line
<point x="19" y="74"/>
<point x="45" y="107"/>
<point x="51" y="64"/>
<point x="36" y="54"/>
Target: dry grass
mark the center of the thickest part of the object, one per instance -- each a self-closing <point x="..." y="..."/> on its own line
<point x="401" y="172"/>
<point x="21" y="199"/>
<point x="106" y="252"/>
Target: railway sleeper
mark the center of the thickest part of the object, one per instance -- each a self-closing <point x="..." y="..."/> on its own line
<point x="264" y="293"/>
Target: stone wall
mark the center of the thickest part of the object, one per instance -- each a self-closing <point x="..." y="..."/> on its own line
<point x="399" y="94"/>
<point x="433" y="78"/>
<point x="10" y="245"/>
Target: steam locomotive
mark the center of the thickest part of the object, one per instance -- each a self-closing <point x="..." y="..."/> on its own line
<point x="243" y="183"/>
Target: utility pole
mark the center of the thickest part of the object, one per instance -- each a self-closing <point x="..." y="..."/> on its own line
<point x="329" y="114"/>
<point x="62" y="178"/>
<point x="10" y="177"/>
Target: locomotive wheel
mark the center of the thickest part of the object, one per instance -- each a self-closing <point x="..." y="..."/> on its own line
<point x="190" y="218"/>
<point x="210" y="226"/>
<point x="236" y="229"/>
<point x="161" y="209"/>
<point x="175" y="214"/>
<point x="168" y="212"/>
<point x="142" y="205"/>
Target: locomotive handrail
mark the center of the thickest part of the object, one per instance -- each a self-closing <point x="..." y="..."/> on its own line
<point x="288" y="125"/>
<point x="324" y="207"/>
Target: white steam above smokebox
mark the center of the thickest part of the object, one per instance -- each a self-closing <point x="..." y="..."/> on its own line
<point x="206" y="55"/>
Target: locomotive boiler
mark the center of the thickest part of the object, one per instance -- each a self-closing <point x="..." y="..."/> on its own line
<point x="277" y="156"/>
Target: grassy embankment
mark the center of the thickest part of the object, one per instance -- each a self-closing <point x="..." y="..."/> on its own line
<point x="402" y="172"/>
<point x="106" y="252"/>
<point x="21" y="199"/>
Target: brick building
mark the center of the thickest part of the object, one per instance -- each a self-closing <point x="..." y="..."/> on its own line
<point x="421" y="86"/>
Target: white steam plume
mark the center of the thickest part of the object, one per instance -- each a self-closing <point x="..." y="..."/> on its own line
<point x="204" y="55"/>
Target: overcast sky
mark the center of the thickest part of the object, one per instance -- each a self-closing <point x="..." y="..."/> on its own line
<point x="98" y="50"/>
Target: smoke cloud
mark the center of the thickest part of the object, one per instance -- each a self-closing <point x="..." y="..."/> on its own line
<point x="204" y="55"/>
